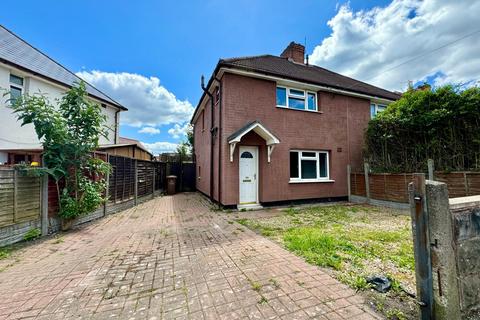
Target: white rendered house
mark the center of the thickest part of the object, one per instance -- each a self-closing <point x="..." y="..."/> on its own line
<point x="26" y="70"/>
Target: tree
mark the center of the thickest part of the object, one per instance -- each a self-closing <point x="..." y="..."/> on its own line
<point x="442" y="125"/>
<point x="69" y="134"/>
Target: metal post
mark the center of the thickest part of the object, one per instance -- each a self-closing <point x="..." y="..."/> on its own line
<point x="349" y="182"/>
<point x="421" y="244"/>
<point x="366" y="169"/>
<point x="44" y="201"/>
<point x="430" y="169"/>
<point x="136" y="182"/>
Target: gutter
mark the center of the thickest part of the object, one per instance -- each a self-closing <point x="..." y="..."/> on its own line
<point x="222" y="66"/>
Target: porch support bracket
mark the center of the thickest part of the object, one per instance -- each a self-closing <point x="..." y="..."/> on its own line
<point x="232" y="150"/>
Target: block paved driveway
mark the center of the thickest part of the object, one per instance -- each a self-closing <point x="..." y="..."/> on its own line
<point x="169" y="258"/>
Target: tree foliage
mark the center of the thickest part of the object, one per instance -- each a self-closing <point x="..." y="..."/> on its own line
<point x="69" y="133"/>
<point x="442" y="125"/>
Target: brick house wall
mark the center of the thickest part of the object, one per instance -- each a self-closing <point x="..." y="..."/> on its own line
<point x="337" y="127"/>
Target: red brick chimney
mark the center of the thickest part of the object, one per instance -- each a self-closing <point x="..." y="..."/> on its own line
<point x="295" y="52"/>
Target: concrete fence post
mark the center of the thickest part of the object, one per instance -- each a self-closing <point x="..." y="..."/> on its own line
<point x="15" y="194"/>
<point x="446" y="301"/>
<point x="107" y="190"/>
<point x="44" y="203"/>
<point x="431" y="168"/>
<point x="349" y="182"/>
<point x="366" y="169"/>
<point x="153" y="183"/>
<point x="135" y="185"/>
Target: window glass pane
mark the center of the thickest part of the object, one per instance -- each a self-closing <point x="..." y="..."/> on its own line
<point x="293" y="164"/>
<point x="297" y="92"/>
<point x="380" y="108"/>
<point x="281" y="96"/>
<point x="16" y="80"/>
<point x="309" y="169"/>
<point x="312" y="103"/>
<point x="323" y="165"/>
<point x="15" y="93"/>
<point x="372" y="111"/>
<point x="309" y="154"/>
<point x="295" y="103"/>
<point x="247" y="155"/>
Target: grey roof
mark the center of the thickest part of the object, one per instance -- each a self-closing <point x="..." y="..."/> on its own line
<point x="282" y="67"/>
<point x="18" y="53"/>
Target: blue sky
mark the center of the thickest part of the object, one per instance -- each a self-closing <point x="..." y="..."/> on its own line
<point x="177" y="41"/>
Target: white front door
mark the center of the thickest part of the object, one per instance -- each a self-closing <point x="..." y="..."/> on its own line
<point x="248" y="165"/>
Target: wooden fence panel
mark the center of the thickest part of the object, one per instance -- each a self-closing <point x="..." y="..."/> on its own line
<point x="19" y="197"/>
<point x="377" y="186"/>
<point x="455" y="181"/>
<point x="473" y="180"/>
<point x="145" y="178"/>
<point x="358" y="184"/>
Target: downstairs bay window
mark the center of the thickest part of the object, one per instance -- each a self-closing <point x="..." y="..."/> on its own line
<point x="309" y="166"/>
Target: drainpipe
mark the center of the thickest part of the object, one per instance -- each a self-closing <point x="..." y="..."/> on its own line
<point x="220" y="143"/>
<point x="212" y="136"/>
<point x="116" y="127"/>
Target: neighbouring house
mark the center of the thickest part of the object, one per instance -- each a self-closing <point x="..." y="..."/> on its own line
<point x="129" y="148"/>
<point x="26" y="70"/>
<point x="274" y="128"/>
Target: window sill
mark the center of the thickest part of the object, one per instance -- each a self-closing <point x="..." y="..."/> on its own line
<point x="312" y="181"/>
<point x="304" y="110"/>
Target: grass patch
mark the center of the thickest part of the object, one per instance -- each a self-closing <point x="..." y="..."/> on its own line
<point x="4" y="253"/>
<point x="32" y="234"/>
<point x="356" y="241"/>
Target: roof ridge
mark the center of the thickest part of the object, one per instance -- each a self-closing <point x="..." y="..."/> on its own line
<point x="246" y="57"/>
<point x="57" y="63"/>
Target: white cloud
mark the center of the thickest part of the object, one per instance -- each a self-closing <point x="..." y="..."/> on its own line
<point x="365" y="44"/>
<point x="160" y="147"/>
<point x="178" y="131"/>
<point x="148" y="102"/>
<point x="149" y="130"/>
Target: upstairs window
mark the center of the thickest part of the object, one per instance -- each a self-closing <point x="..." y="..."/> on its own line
<point x="376" y="109"/>
<point x="296" y="99"/>
<point x="16" y="87"/>
<point x="309" y="166"/>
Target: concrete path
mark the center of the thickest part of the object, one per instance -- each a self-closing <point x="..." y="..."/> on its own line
<point x="169" y="258"/>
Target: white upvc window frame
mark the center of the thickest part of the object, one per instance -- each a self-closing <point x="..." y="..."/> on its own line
<point x="375" y="107"/>
<point x="317" y="159"/>
<point x="289" y="94"/>
<point x="16" y="85"/>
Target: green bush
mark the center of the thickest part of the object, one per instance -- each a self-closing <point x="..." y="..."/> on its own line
<point x="442" y="125"/>
<point x="32" y="234"/>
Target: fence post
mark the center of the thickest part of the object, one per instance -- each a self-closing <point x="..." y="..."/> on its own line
<point x="44" y="212"/>
<point x="135" y="188"/>
<point x="366" y="169"/>
<point x="349" y="182"/>
<point x="421" y="245"/>
<point x="15" y="191"/>
<point x="430" y="169"/>
<point x="107" y="190"/>
<point x="446" y="300"/>
<point x="153" y="183"/>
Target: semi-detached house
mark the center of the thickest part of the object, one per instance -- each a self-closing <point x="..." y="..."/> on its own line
<point x="274" y="128"/>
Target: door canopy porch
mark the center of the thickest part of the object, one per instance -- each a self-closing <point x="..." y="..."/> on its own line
<point x="259" y="129"/>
